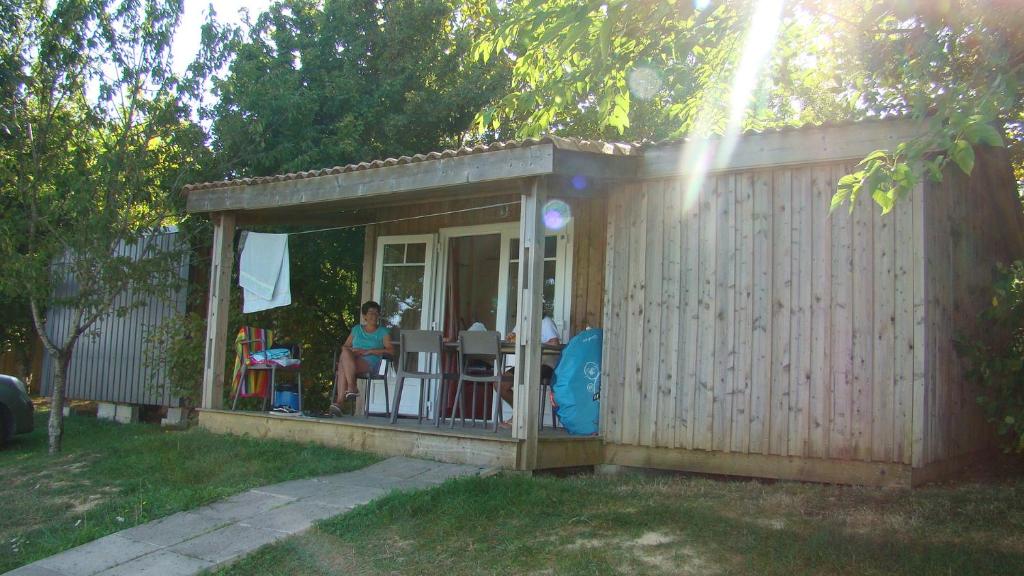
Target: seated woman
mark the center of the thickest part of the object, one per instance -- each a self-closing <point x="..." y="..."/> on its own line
<point x="548" y="335"/>
<point x="361" y="352"/>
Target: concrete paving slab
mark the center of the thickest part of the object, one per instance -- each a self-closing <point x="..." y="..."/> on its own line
<point x="226" y="543"/>
<point x="293" y="518"/>
<point x="97" y="555"/>
<point x="398" y="467"/>
<point x="33" y="569"/>
<point x="174" y="529"/>
<point x="347" y="496"/>
<point x="161" y="563"/>
<point x="244" y="505"/>
<point x="382" y="482"/>
<point x="298" y="489"/>
<point x="188" y="543"/>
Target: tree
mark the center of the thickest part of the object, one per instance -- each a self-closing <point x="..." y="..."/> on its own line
<point x="316" y="84"/>
<point x="310" y="85"/>
<point x="95" y="143"/>
<point x="722" y="67"/>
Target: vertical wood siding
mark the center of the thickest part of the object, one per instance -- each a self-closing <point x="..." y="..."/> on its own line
<point x="754" y="321"/>
<point x="109" y="367"/>
<point x="969" y="225"/>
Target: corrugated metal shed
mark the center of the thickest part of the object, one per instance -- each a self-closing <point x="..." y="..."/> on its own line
<point x="109" y="367"/>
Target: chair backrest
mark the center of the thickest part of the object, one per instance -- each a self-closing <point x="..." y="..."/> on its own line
<point x="421" y="341"/>
<point x="252" y="339"/>
<point x="413" y="342"/>
<point x="479" y="343"/>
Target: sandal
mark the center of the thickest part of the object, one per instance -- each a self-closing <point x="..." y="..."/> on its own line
<point x="351" y="396"/>
<point x="334" y="410"/>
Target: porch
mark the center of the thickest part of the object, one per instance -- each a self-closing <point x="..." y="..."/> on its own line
<point x="452" y="238"/>
<point x="478" y="446"/>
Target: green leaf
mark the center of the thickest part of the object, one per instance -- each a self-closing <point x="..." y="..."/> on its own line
<point x="874" y="156"/>
<point x="850" y="179"/>
<point x="884" y="199"/>
<point x="841" y="195"/>
<point x="935" y="167"/>
<point x="963" y="154"/>
<point x="983" y="134"/>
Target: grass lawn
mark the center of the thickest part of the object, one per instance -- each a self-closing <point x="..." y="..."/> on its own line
<point x="113" y="476"/>
<point x="663" y="525"/>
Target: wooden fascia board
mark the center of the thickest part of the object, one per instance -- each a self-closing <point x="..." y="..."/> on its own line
<point x="787" y="148"/>
<point x="595" y="166"/>
<point x="375" y="183"/>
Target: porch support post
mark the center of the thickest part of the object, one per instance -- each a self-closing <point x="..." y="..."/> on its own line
<point x="528" y="311"/>
<point x="217" y="309"/>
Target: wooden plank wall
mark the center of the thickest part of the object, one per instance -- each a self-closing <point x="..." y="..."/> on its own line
<point x="971" y="224"/>
<point x="752" y="321"/>
<point x="589" y="232"/>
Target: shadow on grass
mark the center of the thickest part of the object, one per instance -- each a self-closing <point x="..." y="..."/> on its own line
<point x="515" y="525"/>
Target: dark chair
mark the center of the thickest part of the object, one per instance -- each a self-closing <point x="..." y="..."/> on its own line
<point x="545" y="401"/>
<point x="477" y="349"/>
<point x="546" y="375"/>
<point x="413" y="343"/>
<point x="380" y="375"/>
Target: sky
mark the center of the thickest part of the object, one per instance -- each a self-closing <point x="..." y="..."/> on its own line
<point x="186" y="40"/>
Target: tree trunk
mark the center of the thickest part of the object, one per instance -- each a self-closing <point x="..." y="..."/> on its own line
<point x="55" y="428"/>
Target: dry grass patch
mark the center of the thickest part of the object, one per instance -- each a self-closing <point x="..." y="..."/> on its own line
<point x="668" y="525"/>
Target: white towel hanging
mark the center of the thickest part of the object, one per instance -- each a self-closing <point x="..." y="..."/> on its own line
<point x="264" y="273"/>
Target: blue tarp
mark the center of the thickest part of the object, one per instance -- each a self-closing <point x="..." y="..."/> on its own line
<point x="577" y="383"/>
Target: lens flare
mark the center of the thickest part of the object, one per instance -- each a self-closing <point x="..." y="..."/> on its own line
<point x="579" y="182"/>
<point x="556" y="215"/>
<point x="702" y="153"/>
<point x="701" y="4"/>
<point x="644" y="82"/>
<point x="757" y="48"/>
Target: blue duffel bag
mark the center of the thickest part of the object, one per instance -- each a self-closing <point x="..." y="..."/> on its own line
<point x="577" y="383"/>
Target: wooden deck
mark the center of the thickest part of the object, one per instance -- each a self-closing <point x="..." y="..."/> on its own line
<point x="463" y="445"/>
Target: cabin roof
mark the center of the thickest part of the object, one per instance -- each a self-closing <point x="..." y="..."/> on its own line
<point x="574" y="167"/>
<point x="569" y="144"/>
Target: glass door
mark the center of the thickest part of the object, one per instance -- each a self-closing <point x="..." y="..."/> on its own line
<point x="557" y="287"/>
<point x="403" y="281"/>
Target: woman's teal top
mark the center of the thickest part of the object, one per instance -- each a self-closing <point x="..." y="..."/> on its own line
<point x="363" y="340"/>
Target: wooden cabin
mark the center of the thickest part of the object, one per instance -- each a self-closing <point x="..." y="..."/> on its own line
<point x="747" y="331"/>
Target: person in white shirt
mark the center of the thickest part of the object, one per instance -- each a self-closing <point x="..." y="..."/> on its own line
<point x="548" y="335"/>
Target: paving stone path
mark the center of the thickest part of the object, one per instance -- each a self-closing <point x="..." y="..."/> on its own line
<point x="190" y="542"/>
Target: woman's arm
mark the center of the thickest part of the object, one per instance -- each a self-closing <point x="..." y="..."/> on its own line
<point x="389" y="347"/>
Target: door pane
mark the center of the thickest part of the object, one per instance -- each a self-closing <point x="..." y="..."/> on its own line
<point x="402" y="296"/>
<point x="416" y="253"/>
<point x="472" y="285"/>
<point x="550" y="247"/>
<point x="549" y="289"/>
<point x="548" y="306"/>
<point x="394" y="253"/>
